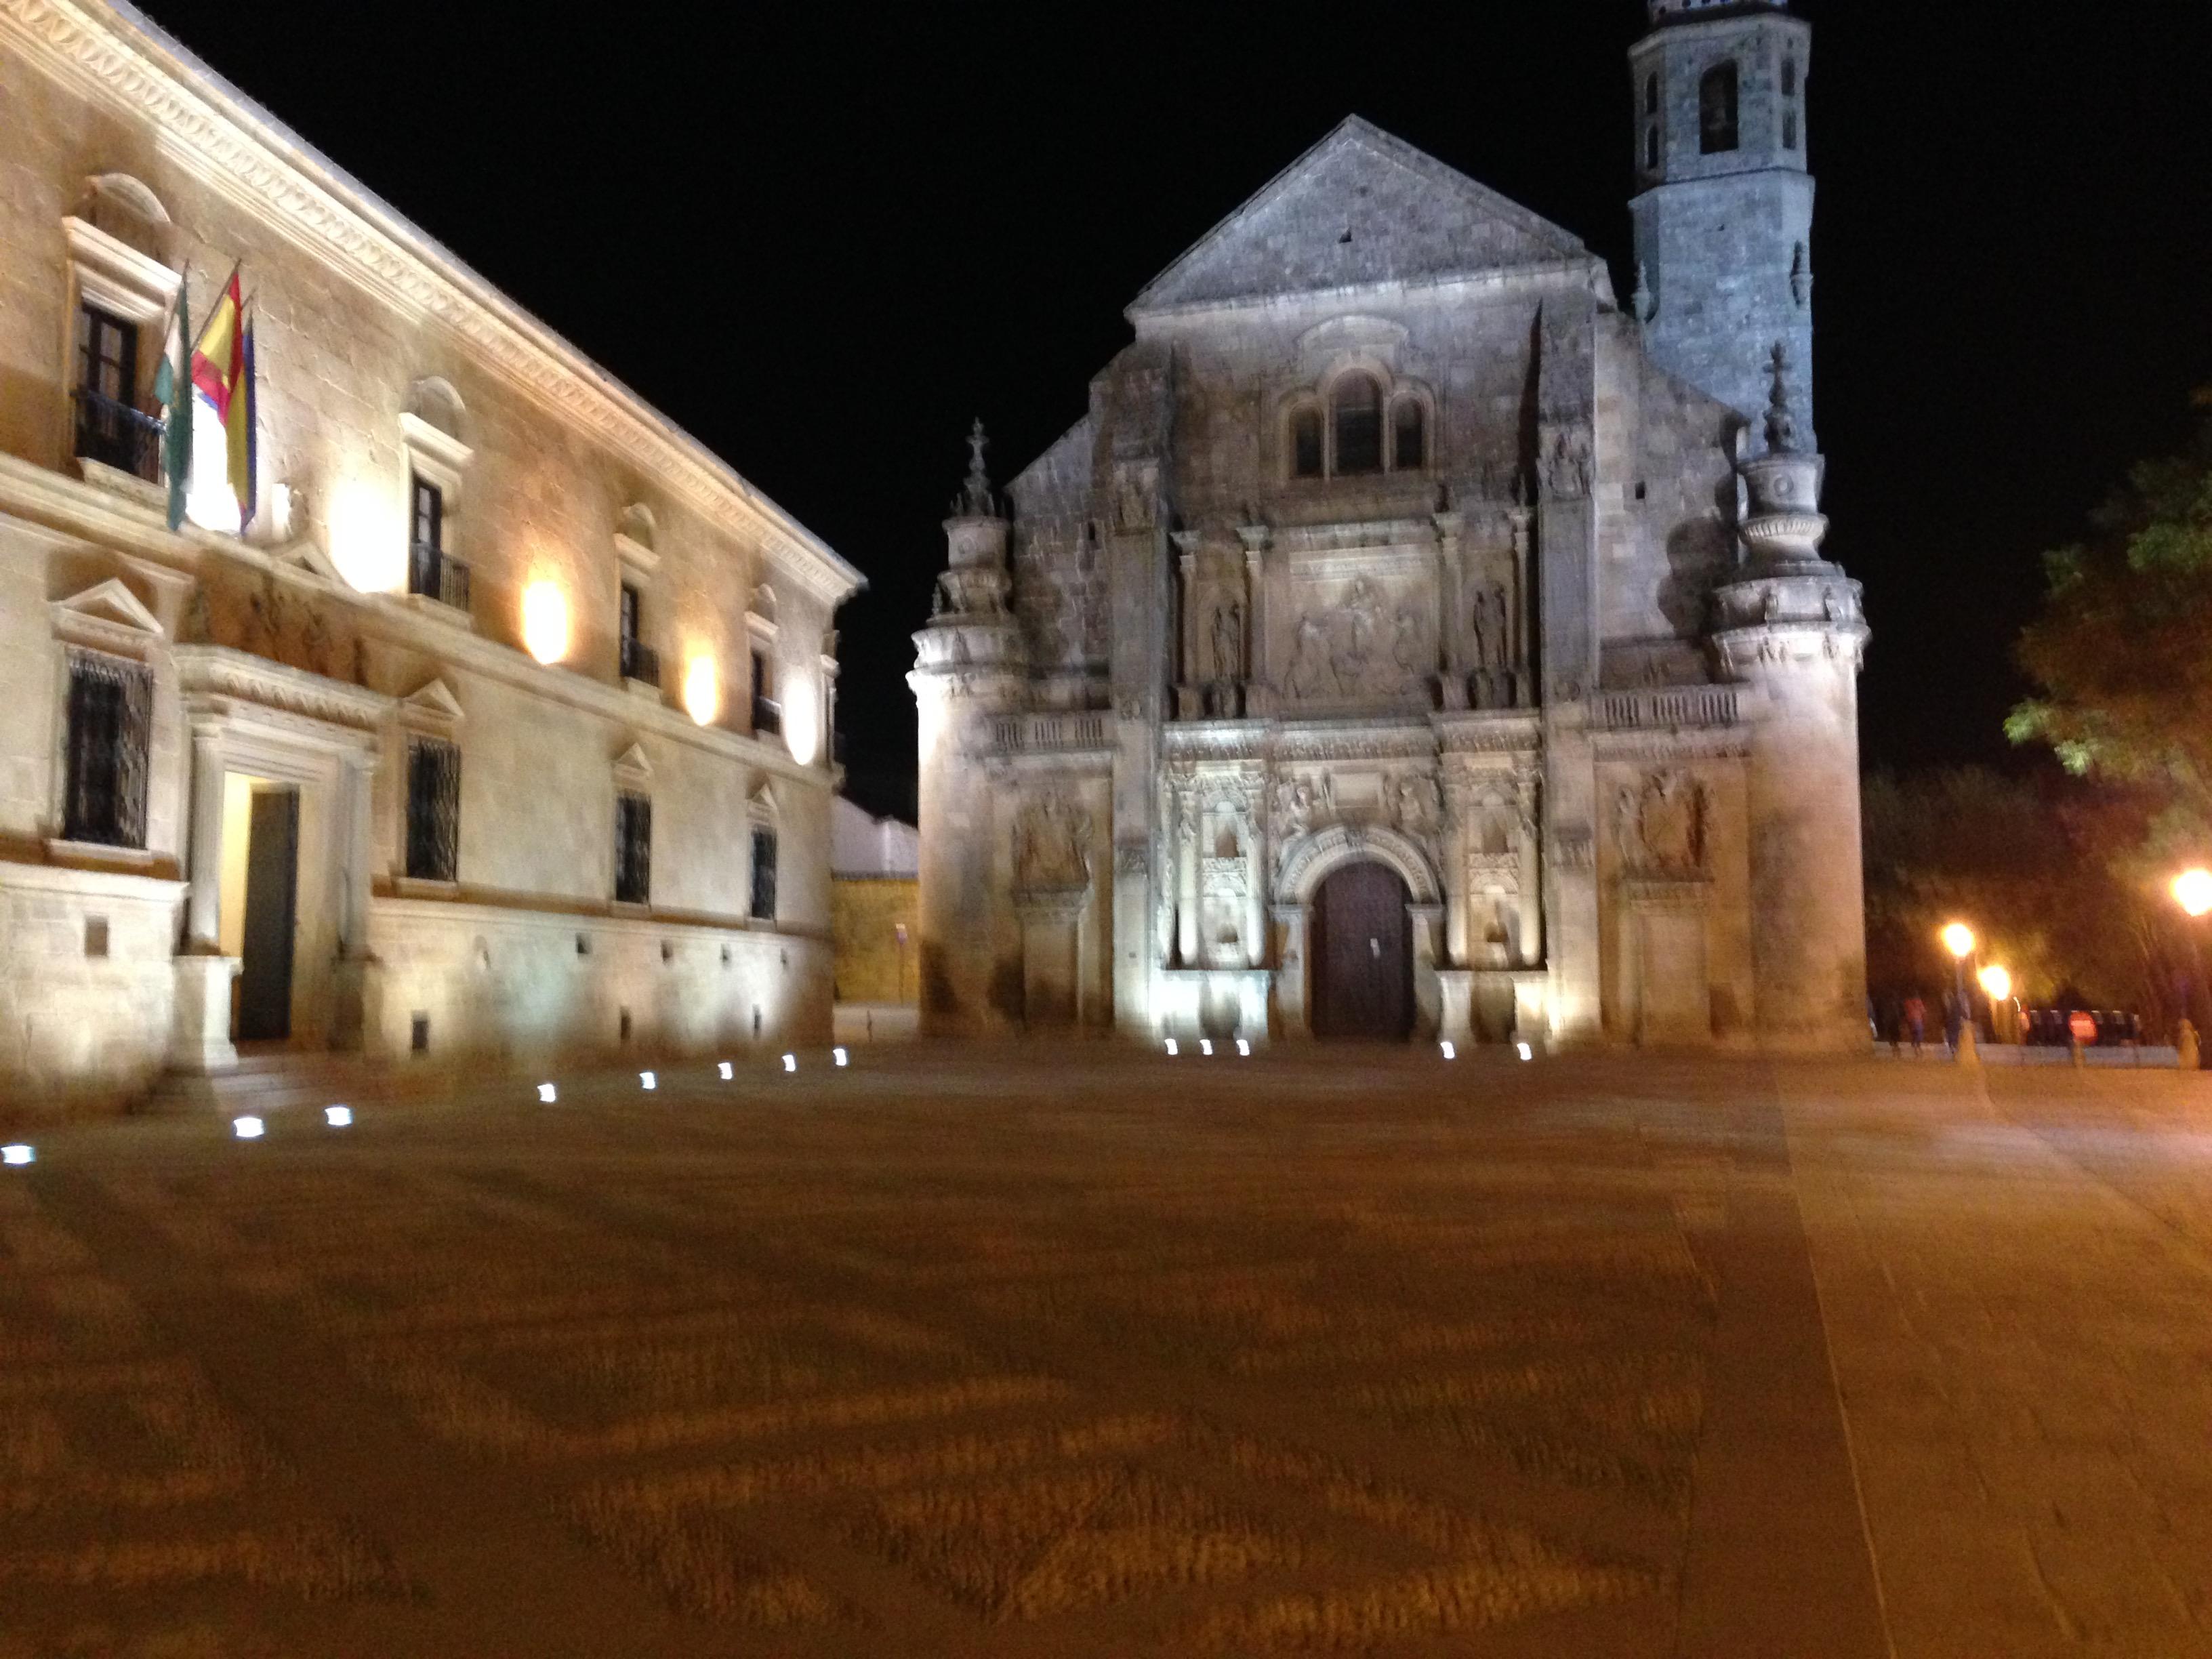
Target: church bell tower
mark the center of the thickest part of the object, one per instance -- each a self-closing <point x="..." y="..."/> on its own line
<point x="1723" y="209"/>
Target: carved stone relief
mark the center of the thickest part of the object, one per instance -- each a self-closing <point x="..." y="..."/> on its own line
<point x="1360" y="646"/>
<point x="1660" y="824"/>
<point x="1052" y="843"/>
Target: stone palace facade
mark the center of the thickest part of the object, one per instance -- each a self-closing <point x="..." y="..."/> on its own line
<point x="1413" y="637"/>
<point x="499" y="735"/>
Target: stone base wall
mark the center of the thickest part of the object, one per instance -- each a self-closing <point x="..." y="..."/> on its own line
<point x="502" y="989"/>
<point x="86" y="987"/>
<point x="865" y="913"/>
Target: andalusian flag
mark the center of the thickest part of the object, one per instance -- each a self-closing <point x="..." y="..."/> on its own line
<point x="173" y="385"/>
<point x="222" y="373"/>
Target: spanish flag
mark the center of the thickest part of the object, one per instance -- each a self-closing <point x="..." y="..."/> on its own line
<point x="222" y="373"/>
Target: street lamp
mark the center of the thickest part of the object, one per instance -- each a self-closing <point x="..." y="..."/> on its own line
<point x="1996" y="985"/>
<point x="1959" y="940"/>
<point x="2192" y="891"/>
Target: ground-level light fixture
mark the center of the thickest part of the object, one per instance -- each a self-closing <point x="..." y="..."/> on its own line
<point x="547" y="1094"/>
<point x="18" y="1155"/>
<point x="338" y="1117"/>
<point x="647" y="1081"/>
<point x="1996" y="983"/>
<point x="727" y="1070"/>
<point x="840" y="1056"/>
<point x="247" y="1128"/>
<point x="1448" y="1051"/>
<point x="1527" y="1052"/>
<point x="1959" y="940"/>
<point x="791" y="1062"/>
<point x="1206" y="1046"/>
<point x="1172" y="1050"/>
<point x="1244" y="1048"/>
<point x="2192" y="891"/>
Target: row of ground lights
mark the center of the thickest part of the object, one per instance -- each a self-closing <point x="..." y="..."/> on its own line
<point x="1244" y="1049"/>
<point x="549" y="1093"/>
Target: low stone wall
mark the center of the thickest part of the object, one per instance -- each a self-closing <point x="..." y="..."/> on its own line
<point x="499" y="988"/>
<point x="865" y="914"/>
<point x="87" y="987"/>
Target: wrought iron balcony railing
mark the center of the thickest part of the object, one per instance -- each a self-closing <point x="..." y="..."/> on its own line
<point x="115" y="434"/>
<point x="639" y="662"/>
<point x="437" y="575"/>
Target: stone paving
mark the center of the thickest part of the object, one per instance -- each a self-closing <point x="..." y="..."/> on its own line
<point x="965" y="1352"/>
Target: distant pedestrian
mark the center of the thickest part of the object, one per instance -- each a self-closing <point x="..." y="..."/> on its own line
<point x="1916" y="1022"/>
<point x="1955" y="1018"/>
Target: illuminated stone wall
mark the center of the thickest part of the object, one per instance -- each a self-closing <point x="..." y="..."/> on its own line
<point x="292" y="652"/>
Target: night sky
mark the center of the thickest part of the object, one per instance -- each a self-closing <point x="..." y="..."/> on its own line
<point x="823" y="239"/>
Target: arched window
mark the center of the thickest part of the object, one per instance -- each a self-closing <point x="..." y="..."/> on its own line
<point x="1409" y="436"/>
<point x="1358" y="413"/>
<point x="1651" y="151"/>
<point x="1716" y="109"/>
<point x="1651" y="95"/>
<point x="1305" y="443"/>
<point x="1789" y="77"/>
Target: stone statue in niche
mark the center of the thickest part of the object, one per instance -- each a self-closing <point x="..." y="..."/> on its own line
<point x="1228" y="641"/>
<point x="1482" y="629"/>
<point x="1420" y="808"/>
<point x="1406" y="646"/>
<point x="1567" y="464"/>
<point x="1309" y="659"/>
<point x="1052" y="844"/>
<point x="1660" y="825"/>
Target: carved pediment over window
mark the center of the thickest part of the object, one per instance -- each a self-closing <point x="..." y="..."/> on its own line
<point x="108" y="617"/>
<point x="633" y="770"/>
<point x="636" y="544"/>
<point x="432" y="711"/>
<point x="762" y="806"/>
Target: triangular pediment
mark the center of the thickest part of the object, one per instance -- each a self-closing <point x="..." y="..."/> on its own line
<point x="631" y="764"/>
<point x="110" y="602"/>
<point x="433" y="700"/>
<point x="308" y="554"/>
<point x="1360" y="208"/>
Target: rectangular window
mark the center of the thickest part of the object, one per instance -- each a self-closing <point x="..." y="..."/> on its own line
<point x="111" y="709"/>
<point x="434" y="809"/>
<point x="632" y="849"/>
<point x="764" y="904"/>
<point x="640" y="661"/>
<point x="110" y="428"/>
<point x="768" y="713"/>
<point x="431" y="571"/>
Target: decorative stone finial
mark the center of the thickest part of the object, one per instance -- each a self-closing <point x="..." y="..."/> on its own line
<point x="1781" y="424"/>
<point x="975" y="499"/>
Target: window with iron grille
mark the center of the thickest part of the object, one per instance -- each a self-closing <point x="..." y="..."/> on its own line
<point x="632" y="849"/>
<point x="763" y="905"/>
<point x="111" y="717"/>
<point x="640" y="661"/>
<point x="434" y="809"/>
<point x="431" y="571"/>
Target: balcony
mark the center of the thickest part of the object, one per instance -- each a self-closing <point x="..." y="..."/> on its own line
<point x="767" y="717"/>
<point x="115" y="434"/>
<point x="434" y="574"/>
<point x="641" y="663"/>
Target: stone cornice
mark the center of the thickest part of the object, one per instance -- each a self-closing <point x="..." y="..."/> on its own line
<point x="208" y="127"/>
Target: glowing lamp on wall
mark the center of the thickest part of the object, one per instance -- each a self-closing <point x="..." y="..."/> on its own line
<point x="368" y="539"/>
<point x="545" y="622"/>
<point x="802" y="722"/>
<point x="703" y="692"/>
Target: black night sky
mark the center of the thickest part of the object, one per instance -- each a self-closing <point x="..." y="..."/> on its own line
<point x="823" y="239"/>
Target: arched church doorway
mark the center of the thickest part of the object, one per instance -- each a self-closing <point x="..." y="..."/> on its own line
<point x="1362" y="954"/>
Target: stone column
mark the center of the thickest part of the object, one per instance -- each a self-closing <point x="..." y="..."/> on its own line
<point x="1531" y="848"/>
<point x="1515" y="650"/>
<point x="1188" y="835"/>
<point x="1259" y="676"/>
<point x="1291" y="977"/>
<point x="1255" y="887"/>
<point x="203" y="905"/>
<point x="1451" y="613"/>
<point x="1187" y="627"/>
<point x="1427" y="922"/>
<point x="1459" y="805"/>
<point x="355" y="835"/>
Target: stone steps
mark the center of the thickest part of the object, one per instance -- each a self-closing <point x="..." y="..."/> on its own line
<point x="260" y="1084"/>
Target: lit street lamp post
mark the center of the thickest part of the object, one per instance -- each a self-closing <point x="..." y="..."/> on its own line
<point x="2192" y="891"/>
<point x="1959" y="940"/>
<point x="1996" y="985"/>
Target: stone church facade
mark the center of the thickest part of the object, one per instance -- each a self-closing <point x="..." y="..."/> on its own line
<point x="1415" y="637"/>
<point x="497" y="736"/>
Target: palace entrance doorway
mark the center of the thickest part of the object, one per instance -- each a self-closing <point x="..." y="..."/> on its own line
<point x="1362" y="953"/>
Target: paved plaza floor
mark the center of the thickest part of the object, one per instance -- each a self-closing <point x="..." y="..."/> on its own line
<point x="1080" y="1354"/>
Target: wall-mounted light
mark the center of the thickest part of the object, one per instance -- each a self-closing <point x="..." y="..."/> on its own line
<point x="802" y="719"/>
<point x="703" y="690"/>
<point x="545" y="622"/>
